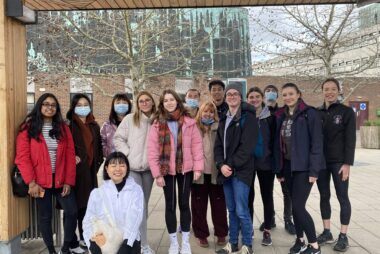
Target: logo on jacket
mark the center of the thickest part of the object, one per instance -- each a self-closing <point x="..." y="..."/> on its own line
<point x="337" y="119"/>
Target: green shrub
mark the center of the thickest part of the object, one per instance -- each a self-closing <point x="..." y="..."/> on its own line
<point x="372" y="123"/>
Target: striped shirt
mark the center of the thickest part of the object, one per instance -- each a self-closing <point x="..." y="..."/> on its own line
<point x="51" y="143"/>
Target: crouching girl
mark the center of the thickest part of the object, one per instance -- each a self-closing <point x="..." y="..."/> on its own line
<point x="114" y="211"/>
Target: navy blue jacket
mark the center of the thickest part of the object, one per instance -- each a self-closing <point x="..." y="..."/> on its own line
<point x="306" y="140"/>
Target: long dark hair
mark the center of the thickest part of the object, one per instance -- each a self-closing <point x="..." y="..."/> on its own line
<point x="34" y="120"/>
<point x="74" y="102"/>
<point x="162" y="113"/>
<point x="115" y="157"/>
<point x="119" y="96"/>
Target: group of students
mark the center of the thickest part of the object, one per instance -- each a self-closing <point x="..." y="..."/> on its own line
<point x="211" y="150"/>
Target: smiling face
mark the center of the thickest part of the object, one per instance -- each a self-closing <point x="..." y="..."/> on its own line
<point x="116" y="171"/>
<point x="330" y="92"/>
<point x="290" y="96"/>
<point x="208" y="113"/>
<point x="49" y="108"/>
<point x="145" y="103"/>
<point x="255" y="99"/>
<point x="217" y="94"/>
<point x="233" y="98"/>
<point x="170" y="103"/>
<point x="192" y="95"/>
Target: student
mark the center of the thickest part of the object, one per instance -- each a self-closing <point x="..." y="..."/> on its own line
<point x="235" y="141"/>
<point x="298" y="155"/>
<point x="45" y="156"/>
<point x="339" y="129"/>
<point x="175" y="155"/>
<point x="192" y="98"/>
<point x="216" y="89"/>
<point x="131" y="138"/>
<point x="263" y="154"/>
<point x="271" y="96"/>
<point x="89" y="154"/>
<point x="120" y="107"/>
<point x="119" y="201"/>
<point x="206" y="186"/>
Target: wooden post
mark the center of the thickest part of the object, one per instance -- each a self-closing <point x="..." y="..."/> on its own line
<point x="14" y="217"/>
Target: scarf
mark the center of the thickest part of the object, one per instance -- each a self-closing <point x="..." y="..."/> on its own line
<point x="87" y="137"/>
<point x="164" y="142"/>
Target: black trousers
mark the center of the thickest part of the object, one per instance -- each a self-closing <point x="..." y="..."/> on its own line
<point x="124" y="248"/>
<point x="341" y="189"/>
<point x="266" y="181"/>
<point x="299" y="186"/>
<point x="184" y="182"/>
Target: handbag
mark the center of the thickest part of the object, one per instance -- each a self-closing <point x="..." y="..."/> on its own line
<point x="19" y="187"/>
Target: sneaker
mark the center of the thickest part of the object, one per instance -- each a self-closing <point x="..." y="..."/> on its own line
<point x="310" y="250"/>
<point x="228" y="249"/>
<point x="82" y="244"/>
<point x="146" y="250"/>
<point x="221" y="241"/>
<point x="325" y="237"/>
<point x="186" y="249"/>
<point x="246" y="250"/>
<point x="342" y="243"/>
<point x="77" y="250"/>
<point x="173" y="249"/>
<point x="298" y="247"/>
<point x="203" y="242"/>
<point x="273" y="225"/>
<point x="267" y="239"/>
<point x="289" y="227"/>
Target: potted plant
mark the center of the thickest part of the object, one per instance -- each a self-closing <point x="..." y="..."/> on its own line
<point x="370" y="134"/>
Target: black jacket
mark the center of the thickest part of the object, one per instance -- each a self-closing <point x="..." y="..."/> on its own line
<point x="339" y="131"/>
<point x="241" y="139"/>
<point x="222" y="110"/>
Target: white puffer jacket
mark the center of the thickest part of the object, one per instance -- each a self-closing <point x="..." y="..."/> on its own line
<point x="132" y="141"/>
<point x="125" y="209"/>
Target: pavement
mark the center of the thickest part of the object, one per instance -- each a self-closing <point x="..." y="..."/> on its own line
<point x="364" y="230"/>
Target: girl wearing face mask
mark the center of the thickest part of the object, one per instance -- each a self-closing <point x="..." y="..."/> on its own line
<point x="206" y="187"/>
<point x="131" y="138"/>
<point x="175" y="155"/>
<point x="88" y="151"/>
<point x="120" y="107"/>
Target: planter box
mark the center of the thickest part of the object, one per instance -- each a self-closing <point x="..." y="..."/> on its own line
<point x="370" y="137"/>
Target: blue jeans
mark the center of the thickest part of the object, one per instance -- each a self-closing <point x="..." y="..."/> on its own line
<point x="236" y="193"/>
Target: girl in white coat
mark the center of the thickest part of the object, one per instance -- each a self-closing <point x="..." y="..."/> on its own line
<point x="118" y="203"/>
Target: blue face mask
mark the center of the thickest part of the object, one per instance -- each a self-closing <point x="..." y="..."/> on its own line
<point x="121" y="109"/>
<point x="207" y="121"/>
<point x="192" y="103"/>
<point x="82" y="111"/>
<point x="271" y="96"/>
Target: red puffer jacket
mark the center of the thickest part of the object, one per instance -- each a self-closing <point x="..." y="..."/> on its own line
<point x="33" y="160"/>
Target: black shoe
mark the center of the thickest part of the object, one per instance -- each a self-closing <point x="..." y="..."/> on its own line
<point x="228" y="249"/>
<point x="310" y="250"/>
<point x="267" y="239"/>
<point x="298" y="247"/>
<point x="342" y="243"/>
<point x="273" y="225"/>
<point x="325" y="237"/>
<point x="289" y="227"/>
<point x="64" y="251"/>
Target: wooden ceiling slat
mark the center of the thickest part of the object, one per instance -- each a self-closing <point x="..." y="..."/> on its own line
<point x="194" y="3"/>
<point x="96" y="5"/>
<point x="244" y="2"/>
<point x="31" y="5"/>
<point x="140" y="4"/>
<point x="121" y="4"/>
<point x="53" y="5"/>
<point x="111" y="3"/>
<point x="38" y="4"/>
<point x="209" y="2"/>
<point x="173" y="3"/>
<point x="183" y="2"/>
<point x="218" y="2"/>
<point x="156" y="3"/>
<point x="227" y="2"/>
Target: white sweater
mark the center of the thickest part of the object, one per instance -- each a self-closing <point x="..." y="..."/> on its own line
<point x="132" y="141"/>
<point x="125" y="208"/>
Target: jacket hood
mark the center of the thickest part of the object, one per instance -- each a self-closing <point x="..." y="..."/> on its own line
<point x="110" y="185"/>
<point x="265" y="113"/>
<point x="301" y="107"/>
<point x="323" y="106"/>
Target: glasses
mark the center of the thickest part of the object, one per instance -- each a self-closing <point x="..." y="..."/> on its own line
<point x="232" y="94"/>
<point x="48" y="105"/>
<point x="145" y="101"/>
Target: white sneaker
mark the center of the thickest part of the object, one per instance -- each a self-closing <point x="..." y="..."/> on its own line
<point x="82" y="243"/>
<point x="146" y="250"/>
<point x="186" y="249"/>
<point x="77" y="250"/>
<point x="173" y="249"/>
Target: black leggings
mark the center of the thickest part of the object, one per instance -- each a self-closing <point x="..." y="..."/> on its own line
<point x="124" y="248"/>
<point x="341" y="189"/>
<point x="184" y="186"/>
<point x="266" y="181"/>
<point x="299" y="186"/>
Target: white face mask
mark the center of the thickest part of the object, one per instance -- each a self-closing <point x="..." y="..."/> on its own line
<point x="270" y="96"/>
<point x="82" y="111"/>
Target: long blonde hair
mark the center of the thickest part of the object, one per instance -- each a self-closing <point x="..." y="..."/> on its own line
<point x="136" y="116"/>
<point x="208" y="105"/>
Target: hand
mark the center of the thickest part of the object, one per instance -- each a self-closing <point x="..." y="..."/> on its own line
<point x="99" y="239"/>
<point x="345" y="171"/>
<point x="77" y="160"/>
<point x="312" y="179"/>
<point x="160" y="181"/>
<point x="34" y="190"/>
<point x="65" y="190"/>
<point x="226" y="170"/>
<point x="281" y="179"/>
<point x="197" y="175"/>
